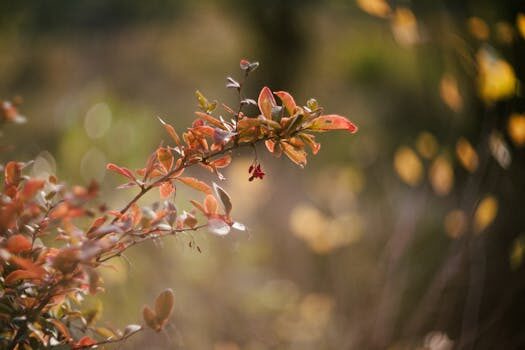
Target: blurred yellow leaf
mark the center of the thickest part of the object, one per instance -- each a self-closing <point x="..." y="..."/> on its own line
<point x="516" y="129"/>
<point x="478" y="28"/>
<point x="456" y="223"/>
<point x="485" y="213"/>
<point x="379" y="8"/>
<point x="505" y="32"/>
<point x="404" y="27"/>
<point x="467" y="155"/>
<point x="517" y="252"/>
<point x="520" y="23"/>
<point x="441" y="176"/>
<point x="324" y="234"/>
<point x="426" y="145"/>
<point x="449" y="92"/>
<point x="408" y="166"/>
<point x="496" y="77"/>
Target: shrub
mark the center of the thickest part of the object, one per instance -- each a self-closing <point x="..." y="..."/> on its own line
<point x="50" y="256"/>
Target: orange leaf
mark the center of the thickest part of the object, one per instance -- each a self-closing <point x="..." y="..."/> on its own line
<point x="211" y="120"/>
<point x="18" y="275"/>
<point x="332" y="122"/>
<point x="150" y="318"/>
<point x="287" y="100"/>
<point x="270" y="145"/>
<point x="121" y="170"/>
<point x="171" y="131"/>
<point x="166" y="189"/>
<point x="266" y="102"/>
<point x="18" y="244"/>
<point x="221" y="162"/>
<point x="196" y="184"/>
<point x="84" y="342"/>
<point x="96" y="224"/>
<point x="310" y="141"/>
<point x="165" y="158"/>
<point x="12" y="172"/>
<point x="210" y="204"/>
<point x="198" y="206"/>
<point x="296" y="154"/>
<point x="164" y="305"/>
<point x="31" y="187"/>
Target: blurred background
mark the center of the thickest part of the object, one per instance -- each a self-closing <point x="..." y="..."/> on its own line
<point x="408" y="235"/>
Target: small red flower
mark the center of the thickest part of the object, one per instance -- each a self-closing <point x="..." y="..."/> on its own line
<point x="256" y="172"/>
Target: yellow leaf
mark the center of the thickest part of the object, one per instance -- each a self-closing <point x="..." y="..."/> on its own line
<point x="485" y="213"/>
<point x="441" y="176"/>
<point x="496" y="77"/>
<point x="408" y="166"/>
<point x="426" y="145"/>
<point x="456" y="223"/>
<point x="467" y="155"/>
<point x="449" y="92"/>
<point x="405" y="27"/>
<point x="517" y="252"/>
<point x="516" y="129"/>
<point x="520" y="23"/>
<point x="378" y="8"/>
<point x="478" y="28"/>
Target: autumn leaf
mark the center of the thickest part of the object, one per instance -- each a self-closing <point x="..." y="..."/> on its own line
<point x="12" y="173"/>
<point x="287" y="100"/>
<point x="210" y="205"/>
<point x="332" y="122"/>
<point x="18" y="275"/>
<point x="121" y="170"/>
<point x="296" y="154"/>
<point x="211" y="120"/>
<point x="150" y="318"/>
<point x="18" y="244"/>
<point x="196" y="184"/>
<point x="266" y="102"/>
<point x="166" y="189"/>
<point x="171" y="131"/>
<point x="165" y="158"/>
<point x="164" y="305"/>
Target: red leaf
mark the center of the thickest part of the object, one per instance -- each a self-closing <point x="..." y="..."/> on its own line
<point x="13" y="171"/>
<point x="85" y="341"/>
<point x="18" y="275"/>
<point x="332" y="122"/>
<point x="287" y="100"/>
<point x="18" y="244"/>
<point x="121" y="170"/>
<point x="266" y="102"/>
<point x="166" y="189"/>
<point x="31" y="187"/>
<point x="165" y="158"/>
<point x="270" y="145"/>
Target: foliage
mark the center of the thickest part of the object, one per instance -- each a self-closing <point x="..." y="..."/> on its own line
<point x="55" y="238"/>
